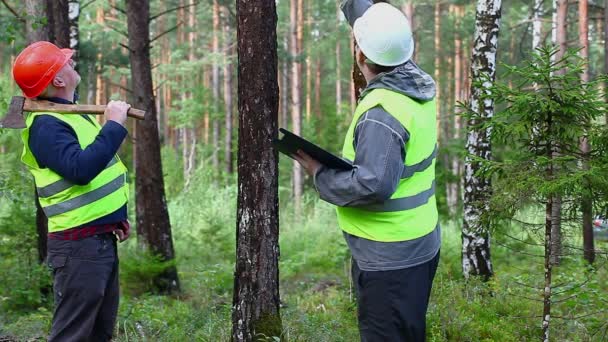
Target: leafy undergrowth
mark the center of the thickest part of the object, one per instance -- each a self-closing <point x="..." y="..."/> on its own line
<point x="317" y="298"/>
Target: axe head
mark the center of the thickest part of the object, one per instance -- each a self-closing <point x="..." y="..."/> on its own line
<point x="14" y="116"/>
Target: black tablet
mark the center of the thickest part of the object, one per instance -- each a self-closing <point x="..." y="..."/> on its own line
<point x="290" y="143"/>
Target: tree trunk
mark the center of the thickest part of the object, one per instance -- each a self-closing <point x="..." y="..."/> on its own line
<point x="409" y="9"/>
<point x="476" y="259"/>
<point x="606" y="52"/>
<point x="36" y="9"/>
<point x="153" y="225"/>
<point x="454" y="187"/>
<point x="256" y="281"/>
<point x="296" y="113"/>
<point x="537" y="24"/>
<point x="59" y="31"/>
<point x="285" y="90"/>
<point x="437" y="74"/>
<point x="215" y="80"/>
<point x="73" y="17"/>
<point x="228" y="92"/>
<point x="548" y="269"/>
<point x="559" y="37"/>
<point x="587" y="204"/>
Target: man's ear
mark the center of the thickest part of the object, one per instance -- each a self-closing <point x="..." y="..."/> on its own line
<point x="361" y="58"/>
<point x="58" y="82"/>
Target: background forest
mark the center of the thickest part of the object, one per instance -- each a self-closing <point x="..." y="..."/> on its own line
<point x="547" y="113"/>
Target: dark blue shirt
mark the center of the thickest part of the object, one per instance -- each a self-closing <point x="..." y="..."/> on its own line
<point x="55" y="145"/>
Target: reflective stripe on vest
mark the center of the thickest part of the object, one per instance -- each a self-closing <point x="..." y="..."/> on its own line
<point x="411" y="212"/>
<point x="69" y="205"/>
<point x="63" y="184"/>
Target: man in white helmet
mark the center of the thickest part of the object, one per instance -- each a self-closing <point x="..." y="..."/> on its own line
<point x="386" y="205"/>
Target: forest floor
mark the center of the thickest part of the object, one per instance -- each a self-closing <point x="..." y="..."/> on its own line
<point x="317" y="299"/>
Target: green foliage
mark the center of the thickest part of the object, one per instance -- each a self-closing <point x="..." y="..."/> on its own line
<point x="541" y="120"/>
<point x="139" y="268"/>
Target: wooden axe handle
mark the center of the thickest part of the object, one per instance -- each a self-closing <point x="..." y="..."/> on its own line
<point x="47" y="106"/>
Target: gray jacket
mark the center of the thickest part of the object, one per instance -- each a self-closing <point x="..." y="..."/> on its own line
<point x="379" y="161"/>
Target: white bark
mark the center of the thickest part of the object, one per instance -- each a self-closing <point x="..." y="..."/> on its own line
<point x="475" y="236"/>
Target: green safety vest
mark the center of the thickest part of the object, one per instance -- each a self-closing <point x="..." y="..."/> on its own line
<point x="69" y="205"/>
<point x="411" y="212"/>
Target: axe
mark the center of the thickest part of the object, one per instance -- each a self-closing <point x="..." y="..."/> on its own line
<point x="19" y="104"/>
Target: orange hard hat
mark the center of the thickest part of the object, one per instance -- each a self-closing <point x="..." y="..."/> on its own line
<point x="37" y="65"/>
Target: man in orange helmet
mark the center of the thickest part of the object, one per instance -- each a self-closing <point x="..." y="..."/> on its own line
<point x="82" y="189"/>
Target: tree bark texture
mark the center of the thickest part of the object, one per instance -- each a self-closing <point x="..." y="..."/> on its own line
<point x="256" y="282"/>
<point x="587" y="203"/>
<point x="153" y="226"/>
<point x="60" y="30"/>
<point x="36" y="9"/>
<point x="228" y="100"/>
<point x="215" y="80"/>
<point x="476" y="259"/>
<point x="296" y="99"/>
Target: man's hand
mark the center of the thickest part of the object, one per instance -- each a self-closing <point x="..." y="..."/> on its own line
<point x="123" y="233"/>
<point x="308" y="163"/>
<point x="117" y="111"/>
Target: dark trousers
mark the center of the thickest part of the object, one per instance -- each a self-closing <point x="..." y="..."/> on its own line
<point x="85" y="286"/>
<point x="392" y="304"/>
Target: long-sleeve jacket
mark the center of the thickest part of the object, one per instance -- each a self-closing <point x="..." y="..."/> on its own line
<point x="55" y="145"/>
<point x="379" y="160"/>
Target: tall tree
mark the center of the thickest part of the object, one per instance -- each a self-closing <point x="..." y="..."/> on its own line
<point x="73" y="17"/>
<point x="559" y="36"/>
<point x="228" y="103"/>
<point x="477" y="189"/>
<point x="296" y="97"/>
<point x="36" y="10"/>
<point x="586" y="203"/>
<point x="537" y="24"/>
<point x="59" y="28"/>
<point x="215" y="80"/>
<point x="256" y="281"/>
<point x="437" y="74"/>
<point x="153" y="225"/>
<point x="338" y="62"/>
<point x="606" y="51"/>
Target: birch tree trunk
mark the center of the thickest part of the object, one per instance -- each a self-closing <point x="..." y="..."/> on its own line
<point x="476" y="259"/>
<point x="255" y="310"/>
<point x="153" y="225"/>
<point x="537" y="24"/>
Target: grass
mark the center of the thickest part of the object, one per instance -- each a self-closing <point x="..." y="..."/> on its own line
<point x="317" y="299"/>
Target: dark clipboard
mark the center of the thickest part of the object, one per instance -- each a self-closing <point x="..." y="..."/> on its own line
<point x="290" y="143"/>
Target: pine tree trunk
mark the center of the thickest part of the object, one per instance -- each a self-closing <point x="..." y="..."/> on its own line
<point x="296" y="115"/>
<point x="409" y="9"/>
<point x="587" y="204"/>
<point x="437" y="74"/>
<point x="59" y="31"/>
<point x="153" y="225"/>
<point x="216" y="88"/>
<point x="256" y="282"/>
<point x="559" y="37"/>
<point x="454" y="187"/>
<point x="285" y="91"/>
<point x="37" y="9"/>
<point x="548" y="269"/>
<point x="476" y="259"/>
<point x="228" y="92"/>
<point x="606" y="52"/>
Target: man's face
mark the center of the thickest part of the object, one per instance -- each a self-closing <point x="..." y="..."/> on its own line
<point x="68" y="75"/>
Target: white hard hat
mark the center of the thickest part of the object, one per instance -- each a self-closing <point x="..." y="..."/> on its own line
<point x="384" y="35"/>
